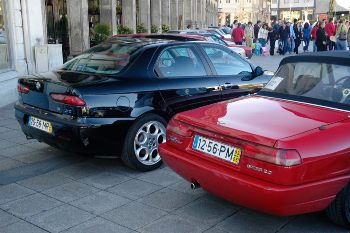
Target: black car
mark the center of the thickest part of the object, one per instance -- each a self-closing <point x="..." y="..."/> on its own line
<point x="116" y="98"/>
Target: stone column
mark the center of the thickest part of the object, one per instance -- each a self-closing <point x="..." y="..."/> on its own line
<point x="166" y="12"/>
<point x="156" y="14"/>
<point x="187" y="18"/>
<point x="181" y="11"/>
<point x="145" y="13"/>
<point x="108" y="14"/>
<point x="174" y="14"/>
<point x="78" y="26"/>
<point x="129" y="14"/>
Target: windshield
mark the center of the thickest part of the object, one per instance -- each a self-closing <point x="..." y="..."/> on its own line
<point x="104" y="59"/>
<point x="324" y="83"/>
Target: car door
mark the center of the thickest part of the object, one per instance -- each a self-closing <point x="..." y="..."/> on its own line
<point x="184" y="79"/>
<point x="234" y="73"/>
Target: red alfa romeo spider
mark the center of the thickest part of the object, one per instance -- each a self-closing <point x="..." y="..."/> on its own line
<point x="284" y="151"/>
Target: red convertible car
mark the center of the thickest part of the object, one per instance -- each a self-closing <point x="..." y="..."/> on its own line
<point x="283" y="151"/>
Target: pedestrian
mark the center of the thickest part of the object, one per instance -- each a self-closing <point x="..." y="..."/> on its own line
<point x="297" y="38"/>
<point x="330" y="32"/>
<point x="234" y="25"/>
<point x="249" y="34"/>
<point x="291" y="38"/>
<point x="306" y="36"/>
<point x="284" y="35"/>
<point x="313" y="36"/>
<point x="341" y="35"/>
<point x="257" y="48"/>
<point x="256" y="29"/>
<point x="272" y="37"/>
<point x="321" y="38"/>
<point x="238" y="34"/>
<point x="262" y="35"/>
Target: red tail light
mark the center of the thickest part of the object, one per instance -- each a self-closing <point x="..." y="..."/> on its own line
<point x="22" y="89"/>
<point x="68" y="99"/>
<point x="271" y="155"/>
<point x="179" y="128"/>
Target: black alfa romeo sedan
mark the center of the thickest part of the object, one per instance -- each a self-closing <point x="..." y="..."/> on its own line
<point x="116" y="98"/>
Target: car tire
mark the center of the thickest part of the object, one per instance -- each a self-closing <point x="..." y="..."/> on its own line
<point x="140" y="150"/>
<point x="339" y="210"/>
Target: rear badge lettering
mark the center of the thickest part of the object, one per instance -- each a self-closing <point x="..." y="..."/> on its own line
<point x="259" y="169"/>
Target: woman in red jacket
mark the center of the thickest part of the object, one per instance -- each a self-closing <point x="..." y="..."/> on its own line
<point x="313" y="35"/>
<point x="238" y="34"/>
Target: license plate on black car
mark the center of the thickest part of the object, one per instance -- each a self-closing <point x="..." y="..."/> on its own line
<point x="217" y="149"/>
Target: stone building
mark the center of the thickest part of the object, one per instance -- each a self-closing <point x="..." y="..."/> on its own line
<point x="243" y="10"/>
<point x="30" y="42"/>
<point x="293" y="9"/>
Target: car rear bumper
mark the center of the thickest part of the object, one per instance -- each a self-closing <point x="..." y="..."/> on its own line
<point x="87" y="136"/>
<point x="249" y="191"/>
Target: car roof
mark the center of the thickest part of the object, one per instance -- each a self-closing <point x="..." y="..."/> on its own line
<point x="330" y="57"/>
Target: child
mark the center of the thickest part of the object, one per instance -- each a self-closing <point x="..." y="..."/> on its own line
<point x="257" y="48"/>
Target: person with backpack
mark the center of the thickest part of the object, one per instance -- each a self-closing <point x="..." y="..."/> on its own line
<point x="341" y="36"/>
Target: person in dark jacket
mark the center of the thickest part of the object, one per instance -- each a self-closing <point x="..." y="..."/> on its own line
<point x="321" y="38"/>
<point x="256" y="29"/>
<point x="272" y="37"/>
<point x="284" y="35"/>
<point x="297" y="39"/>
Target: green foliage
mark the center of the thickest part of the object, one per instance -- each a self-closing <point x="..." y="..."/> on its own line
<point x="154" y="29"/>
<point x="141" y="28"/>
<point x="63" y="27"/>
<point x="94" y="7"/>
<point x="124" y="30"/>
<point x="165" y="28"/>
<point x="102" y="32"/>
<point x="119" y="9"/>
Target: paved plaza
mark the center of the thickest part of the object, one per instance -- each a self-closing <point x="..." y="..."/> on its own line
<point x="45" y="190"/>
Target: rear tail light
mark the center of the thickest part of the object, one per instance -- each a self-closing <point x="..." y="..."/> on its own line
<point x="68" y="99"/>
<point x="280" y="157"/>
<point x="179" y="128"/>
<point x="22" y="89"/>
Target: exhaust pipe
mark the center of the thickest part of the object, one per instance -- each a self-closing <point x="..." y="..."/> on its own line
<point x="195" y="185"/>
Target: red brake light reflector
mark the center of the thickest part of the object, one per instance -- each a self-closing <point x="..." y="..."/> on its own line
<point x="280" y="157"/>
<point x="68" y="99"/>
<point x="22" y="89"/>
<point x="179" y="128"/>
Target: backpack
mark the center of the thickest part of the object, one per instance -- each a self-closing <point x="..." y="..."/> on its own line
<point x="342" y="34"/>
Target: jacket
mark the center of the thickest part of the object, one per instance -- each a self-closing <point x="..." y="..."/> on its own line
<point x="284" y="34"/>
<point x="330" y="29"/>
<point x="237" y="34"/>
<point x="313" y="33"/>
<point x="248" y="32"/>
<point x="321" y="36"/>
<point x="306" y="32"/>
<point x="256" y="31"/>
<point x="263" y="33"/>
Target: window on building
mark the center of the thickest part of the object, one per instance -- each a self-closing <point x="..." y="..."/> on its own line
<point x="286" y="1"/>
<point x="296" y="1"/>
<point x="274" y="1"/>
<point x="228" y="1"/>
<point x="4" y="54"/>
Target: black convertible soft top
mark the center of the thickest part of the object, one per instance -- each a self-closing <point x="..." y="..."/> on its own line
<point x="331" y="57"/>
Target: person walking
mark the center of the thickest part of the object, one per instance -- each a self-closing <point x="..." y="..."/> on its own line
<point x="330" y="32"/>
<point x="306" y="36"/>
<point x="341" y="35"/>
<point x="348" y="36"/>
<point x="297" y="38"/>
<point x="256" y="29"/>
<point x="284" y="35"/>
<point x="238" y="34"/>
<point x="272" y="37"/>
<point x="321" y="38"/>
<point x="262" y="35"/>
<point x="291" y="38"/>
<point x="313" y="36"/>
<point x="249" y="34"/>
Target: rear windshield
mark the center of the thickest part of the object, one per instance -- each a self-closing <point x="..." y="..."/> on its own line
<point x="323" y="83"/>
<point x="104" y="59"/>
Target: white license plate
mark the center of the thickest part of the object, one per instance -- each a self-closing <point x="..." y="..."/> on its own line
<point x="217" y="149"/>
<point x="40" y="124"/>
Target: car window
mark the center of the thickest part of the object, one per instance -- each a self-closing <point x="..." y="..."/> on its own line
<point x="217" y="40"/>
<point x="312" y="81"/>
<point x="179" y="62"/>
<point x="226" y="62"/>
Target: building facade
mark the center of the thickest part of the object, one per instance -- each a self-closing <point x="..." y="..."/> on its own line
<point x="293" y="9"/>
<point x="341" y="9"/>
<point x="32" y="38"/>
<point x="244" y="11"/>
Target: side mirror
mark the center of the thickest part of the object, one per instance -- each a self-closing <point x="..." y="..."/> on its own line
<point x="258" y="71"/>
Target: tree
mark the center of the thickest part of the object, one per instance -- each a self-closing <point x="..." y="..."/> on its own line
<point x="331" y="8"/>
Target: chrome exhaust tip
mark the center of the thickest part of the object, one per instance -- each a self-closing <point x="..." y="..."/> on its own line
<point x="195" y="185"/>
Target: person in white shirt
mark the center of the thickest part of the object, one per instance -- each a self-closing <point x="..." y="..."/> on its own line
<point x="262" y="35"/>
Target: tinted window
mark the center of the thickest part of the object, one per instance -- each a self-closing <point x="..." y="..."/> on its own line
<point x="179" y="62"/>
<point x="226" y="62"/>
<point x="104" y="58"/>
<point x="320" y="81"/>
